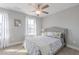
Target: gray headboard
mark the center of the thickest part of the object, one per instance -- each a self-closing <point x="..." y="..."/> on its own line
<point x="57" y="29"/>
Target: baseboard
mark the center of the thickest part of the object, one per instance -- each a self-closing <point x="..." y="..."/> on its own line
<point x="12" y="44"/>
<point x="73" y="47"/>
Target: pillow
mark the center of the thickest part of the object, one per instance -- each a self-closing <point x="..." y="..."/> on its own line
<point x="57" y="34"/>
<point x="50" y="34"/>
<point x="43" y="33"/>
<point x="47" y="34"/>
<point x="54" y="34"/>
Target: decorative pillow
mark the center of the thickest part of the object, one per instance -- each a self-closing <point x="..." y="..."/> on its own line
<point x="57" y="34"/>
<point x="53" y="34"/>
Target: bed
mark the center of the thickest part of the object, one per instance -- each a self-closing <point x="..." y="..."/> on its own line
<point x="45" y="44"/>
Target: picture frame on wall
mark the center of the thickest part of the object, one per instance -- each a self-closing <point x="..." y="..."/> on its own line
<point x="17" y="22"/>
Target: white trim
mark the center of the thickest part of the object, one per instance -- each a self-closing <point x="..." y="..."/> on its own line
<point x="73" y="47"/>
<point x="15" y="43"/>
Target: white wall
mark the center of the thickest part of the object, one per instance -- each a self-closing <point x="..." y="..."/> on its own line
<point x="16" y="33"/>
<point x="69" y="19"/>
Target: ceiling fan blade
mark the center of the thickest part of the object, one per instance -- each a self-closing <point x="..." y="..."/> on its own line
<point x="46" y="6"/>
<point x="38" y="5"/>
<point x="45" y="12"/>
<point x="34" y="6"/>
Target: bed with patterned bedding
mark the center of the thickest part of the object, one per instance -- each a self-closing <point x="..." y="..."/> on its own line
<point x="47" y="44"/>
<point x="42" y="45"/>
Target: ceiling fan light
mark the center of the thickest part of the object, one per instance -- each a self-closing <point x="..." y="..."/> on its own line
<point x="38" y="12"/>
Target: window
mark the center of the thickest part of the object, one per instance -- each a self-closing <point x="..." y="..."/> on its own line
<point x="31" y="26"/>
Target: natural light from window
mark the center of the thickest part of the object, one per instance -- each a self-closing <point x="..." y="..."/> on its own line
<point x="31" y="27"/>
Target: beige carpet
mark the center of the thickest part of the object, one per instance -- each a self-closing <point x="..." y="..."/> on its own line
<point x="14" y="50"/>
<point x="19" y="50"/>
<point x="68" y="51"/>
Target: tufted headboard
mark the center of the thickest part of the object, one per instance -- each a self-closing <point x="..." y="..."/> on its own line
<point x="58" y="29"/>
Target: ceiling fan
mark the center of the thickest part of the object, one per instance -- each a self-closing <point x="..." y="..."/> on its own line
<point x="40" y="8"/>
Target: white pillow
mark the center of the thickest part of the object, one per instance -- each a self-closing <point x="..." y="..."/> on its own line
<point x="44" y="34"/>
<point x="50" y="34"/>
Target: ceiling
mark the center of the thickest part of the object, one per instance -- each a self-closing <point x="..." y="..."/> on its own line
<point x="27" y="8"/>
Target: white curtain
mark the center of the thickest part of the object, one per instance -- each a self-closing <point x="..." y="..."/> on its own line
<point x="30" y="24"/>
<point x="4" y="30"/>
